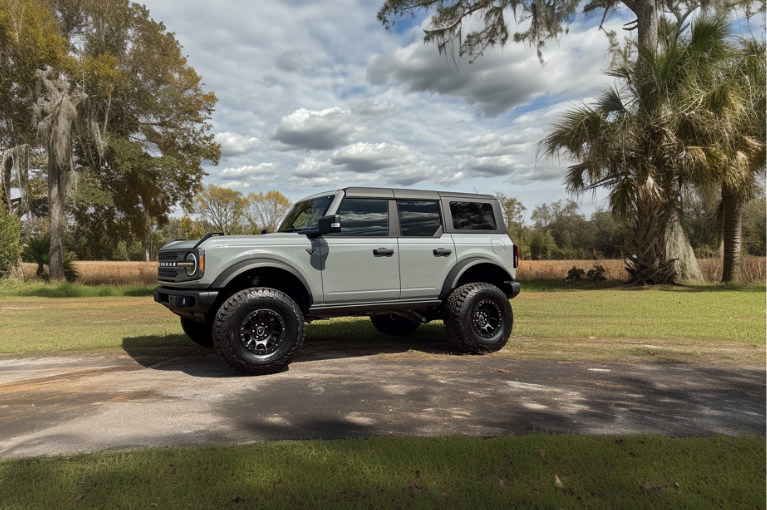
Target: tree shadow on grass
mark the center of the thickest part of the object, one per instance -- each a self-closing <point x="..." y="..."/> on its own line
<point x="713" y="287"/>
<point x="324" y="340"/>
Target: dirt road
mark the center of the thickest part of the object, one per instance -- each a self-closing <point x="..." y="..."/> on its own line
<point x="90" y="403"/>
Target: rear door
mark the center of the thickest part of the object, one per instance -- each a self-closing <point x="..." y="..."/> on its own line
<point x="426" y="253"/>
<point x="361" y="263"/>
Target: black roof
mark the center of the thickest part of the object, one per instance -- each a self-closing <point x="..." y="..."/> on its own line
<point x="410" y="194"/>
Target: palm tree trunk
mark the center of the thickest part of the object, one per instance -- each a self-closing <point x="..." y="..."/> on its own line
<point x="56" y="193"/>
<point x="679" y="249"/>
<point x="732" y="209"/>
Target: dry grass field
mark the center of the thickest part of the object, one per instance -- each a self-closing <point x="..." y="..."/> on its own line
<point x="106" y="272"/>
<point x="145" y="274"/>
<point x="753" y="269"/>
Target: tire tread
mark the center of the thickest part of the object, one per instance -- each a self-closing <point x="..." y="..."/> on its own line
<point x="225" y="314"/>
<point x="459" y="328"/>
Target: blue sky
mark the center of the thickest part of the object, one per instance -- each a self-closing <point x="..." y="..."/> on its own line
<point x="316" y="95"/>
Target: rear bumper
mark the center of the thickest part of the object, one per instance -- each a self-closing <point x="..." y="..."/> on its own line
<point x="190" y="304"/>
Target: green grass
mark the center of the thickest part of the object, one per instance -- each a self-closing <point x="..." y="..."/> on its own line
<point x="602" y="472"/>
<point x="674" y="324"/>
<point x="14" y="288"/>
<point x="643" y="314"/>
<point x="48" y="326"/>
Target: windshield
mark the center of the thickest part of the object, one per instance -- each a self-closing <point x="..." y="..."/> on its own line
<point x="306" y="214"/>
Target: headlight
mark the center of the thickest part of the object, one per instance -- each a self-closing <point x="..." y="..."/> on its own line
<point x="191" y="257"/>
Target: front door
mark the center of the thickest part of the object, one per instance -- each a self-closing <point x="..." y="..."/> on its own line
<point x="361" y="263"/>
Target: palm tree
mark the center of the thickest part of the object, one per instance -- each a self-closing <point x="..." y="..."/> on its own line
<point x="727" y="131"/>
<point x="641" y="141"/>
<point x="745" y="110"/>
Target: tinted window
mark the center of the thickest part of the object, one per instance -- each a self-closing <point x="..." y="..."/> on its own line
<point x="472" y="216"/>
<point x="418" y="218"/>
<point x="362" y="217"/>
<point x="305" y="214"/>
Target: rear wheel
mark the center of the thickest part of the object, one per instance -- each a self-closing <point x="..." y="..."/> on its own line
<point x="478" y="318"/>
<point x="201" y="334"/>
<point x="393" y="325"/>
<point x="258" y="331"/>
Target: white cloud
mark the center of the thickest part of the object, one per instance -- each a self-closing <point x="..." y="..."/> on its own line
<point x="375" y="107"/>
<point x="236" y="185"/>
<point x="363" y="164"/>
<point x="329" y="128"/>
<point x="322" y="130"/>
<point x="492" y="84"/>
<point x="233" y="144"/>
<point x="249" y="171"/>
<point x="503" y="78"/>
<point x="367" y="157"/>
<point x="312" y="167"/>
<point x="296" y="183"/>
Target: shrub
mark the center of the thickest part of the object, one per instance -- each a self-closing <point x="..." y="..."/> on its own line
<point x="37" y="251"/>
<point x="10" y="241"/>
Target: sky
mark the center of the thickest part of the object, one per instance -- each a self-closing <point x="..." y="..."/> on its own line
<point x="316" y="95"/>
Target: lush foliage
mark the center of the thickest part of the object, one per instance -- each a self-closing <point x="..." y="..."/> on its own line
<point x="137" y="116"/>
<point x="37" y="251"/>
<point x="487" y="21"/>
<point x="661" y="130"/>
<point x="29" y="41"/>
<point x="266" y="210"/>
<point x="223" y="207"/>
<point x="155" y="111"/>
<point x="10" y="240"/>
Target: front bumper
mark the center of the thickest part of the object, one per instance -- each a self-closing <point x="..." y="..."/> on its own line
<point x="190" y="304"/>
<point x="511" y="289"/>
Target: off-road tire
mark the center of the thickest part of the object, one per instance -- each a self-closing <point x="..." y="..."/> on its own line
<point x="259" y="308"/>
<point x="466" y="309"/>
<point x="201" y="334"/>
<point x="394" y="325"/>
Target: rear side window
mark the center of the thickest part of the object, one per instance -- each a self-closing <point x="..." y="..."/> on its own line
<point x="472" y="216"/>
<point x="363" y="217"/>
<point x="418" y="218"/>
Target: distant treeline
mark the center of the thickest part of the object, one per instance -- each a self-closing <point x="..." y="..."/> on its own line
<point x="560" y="231"/>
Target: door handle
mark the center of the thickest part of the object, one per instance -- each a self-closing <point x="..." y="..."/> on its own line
<point x="442" y="252"/>
<point x="383" y="252"/>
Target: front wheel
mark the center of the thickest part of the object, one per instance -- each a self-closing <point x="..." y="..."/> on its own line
<point x="258" y="331"/>
<point x="478" y="318"/>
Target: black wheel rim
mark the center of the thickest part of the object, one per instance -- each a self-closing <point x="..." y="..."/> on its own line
<point x="487" y="318"/>
<point x="262" y="332"/>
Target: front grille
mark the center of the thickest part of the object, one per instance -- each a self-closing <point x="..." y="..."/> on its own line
<point x="167" y="272"/>
<point x="167" y="255"/>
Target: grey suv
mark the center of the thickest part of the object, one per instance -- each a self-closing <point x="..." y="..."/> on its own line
<point x="401" y="257"/>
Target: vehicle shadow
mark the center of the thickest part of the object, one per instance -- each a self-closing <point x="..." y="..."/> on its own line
<point x="324" y="340"/>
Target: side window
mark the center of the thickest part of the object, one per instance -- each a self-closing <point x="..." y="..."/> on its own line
<point x="363" y="217"/>
<point x="418" y="218"/>
<point x="472" y="216"/>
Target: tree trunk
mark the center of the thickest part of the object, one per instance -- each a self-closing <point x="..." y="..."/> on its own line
<point x="679" y="250"/>
<point x="646" y="262"/>
<point x="57" y="187"/>
<point x="646" y="12"/>
<point x="732" y="209"/>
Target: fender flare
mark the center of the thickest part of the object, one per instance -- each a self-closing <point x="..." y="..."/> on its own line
<point x="237" y="269"/>
<point x="459" y="269"/>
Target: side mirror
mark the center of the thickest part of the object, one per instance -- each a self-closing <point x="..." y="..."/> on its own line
<point x="330" y="224"/>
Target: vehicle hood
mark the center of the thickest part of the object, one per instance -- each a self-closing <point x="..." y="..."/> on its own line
<point x="222" y="241"/>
